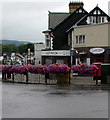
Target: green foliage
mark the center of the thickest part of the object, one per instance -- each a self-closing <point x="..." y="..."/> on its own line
<point x="12" y="48"/>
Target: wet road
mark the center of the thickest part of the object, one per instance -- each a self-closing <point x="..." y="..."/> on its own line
<point x="53" y="101"/>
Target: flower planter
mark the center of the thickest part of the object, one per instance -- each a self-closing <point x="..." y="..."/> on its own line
<point x="62" y="78"/>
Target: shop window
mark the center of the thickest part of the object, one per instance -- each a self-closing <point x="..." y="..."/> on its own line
<point x="60" y="61"/>
<point x="48" y="61"/>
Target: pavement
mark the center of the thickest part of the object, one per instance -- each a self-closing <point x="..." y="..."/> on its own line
<point x="83" y="80"/>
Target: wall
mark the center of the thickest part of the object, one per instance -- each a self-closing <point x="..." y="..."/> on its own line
<point x="37" y="51"/>
<point x="96" y="35"/>
<point x="109" y="35"/>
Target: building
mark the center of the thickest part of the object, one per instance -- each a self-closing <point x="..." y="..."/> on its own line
<point x="92" y="43"/>
<point x="60" y="23"/>
<point x="37" y="52"/>
<point x="92" y="35"/>
<point x="60" y="33"/>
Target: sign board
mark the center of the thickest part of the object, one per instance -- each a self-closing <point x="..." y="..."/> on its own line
<point x="56" y="53"/>
<point x="97" y="50"/>
<point x="71" y="53"/>
<point x="28" y="51"/>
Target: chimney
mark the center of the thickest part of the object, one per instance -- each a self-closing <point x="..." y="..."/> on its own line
<point x="75" y="5"/>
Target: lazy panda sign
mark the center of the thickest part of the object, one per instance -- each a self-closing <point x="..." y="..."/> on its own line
<point x="97" y="50"/>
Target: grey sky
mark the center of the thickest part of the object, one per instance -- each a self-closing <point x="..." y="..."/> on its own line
<point x="26" y="20"/>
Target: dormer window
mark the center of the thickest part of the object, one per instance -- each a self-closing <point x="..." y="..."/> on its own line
<point x="97" y="16"/>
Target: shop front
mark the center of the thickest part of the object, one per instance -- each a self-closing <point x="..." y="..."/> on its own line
<point x="56" y="57"/>
<point x="91" y="55"/>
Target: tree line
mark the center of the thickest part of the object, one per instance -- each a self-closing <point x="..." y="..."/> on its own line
<point x="12" y="48"/>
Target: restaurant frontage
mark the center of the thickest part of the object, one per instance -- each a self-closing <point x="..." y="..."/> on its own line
<point x="90" y="55"/>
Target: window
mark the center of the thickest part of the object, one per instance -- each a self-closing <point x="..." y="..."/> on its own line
<point x="95" y="12"/>
<point x="99" y="19"/>
<point x="102" y="19"/>
<point x="99" y="12"/>
<point x="76" y="39"/>
<point x="47" y="36"/>
<point x="90" y="18"/>
<point x="60" y="61"/>
<point x="48" y="43"/>
<point x="83" y="39"/>
<point x="80" y="39"/>
<point x="80" y="10"/>
<point x="94" y="19"/>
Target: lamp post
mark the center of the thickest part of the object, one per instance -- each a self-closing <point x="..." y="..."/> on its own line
<point x="71" y="55"/>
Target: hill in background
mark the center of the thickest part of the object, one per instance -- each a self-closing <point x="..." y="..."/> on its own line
<point x="16" y="42"/>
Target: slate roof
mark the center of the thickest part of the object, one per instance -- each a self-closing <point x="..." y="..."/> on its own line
<point x="73" y="15"/>
<point x="55" y="18"/>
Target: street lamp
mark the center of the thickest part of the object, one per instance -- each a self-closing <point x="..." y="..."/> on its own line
<point x="71" y="54"/>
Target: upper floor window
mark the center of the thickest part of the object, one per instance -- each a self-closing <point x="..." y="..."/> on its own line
<point x="96" y="19"/>
<point x="99" y="19"/>
<point x="47" y="36"/>
<point x="103" y="19"/>
<point x="47" y="43"/>
<point x="80" y="39"/>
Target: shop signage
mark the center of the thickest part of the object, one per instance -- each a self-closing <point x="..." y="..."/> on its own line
<point x="56" y="53"/>
<point x="97" y="50"/>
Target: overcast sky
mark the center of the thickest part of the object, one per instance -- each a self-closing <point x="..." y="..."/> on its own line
<point x="26" y="19"/>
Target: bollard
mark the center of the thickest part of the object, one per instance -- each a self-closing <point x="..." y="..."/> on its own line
<point x="46" y="77"/>
<point x="3" y="75"/>
<point x="8" y="75"/>
<point x="13" y="77"/>
<point x="27" y="78"/>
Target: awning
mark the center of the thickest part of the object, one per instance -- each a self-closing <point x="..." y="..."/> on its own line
<point x="82" y="53"/>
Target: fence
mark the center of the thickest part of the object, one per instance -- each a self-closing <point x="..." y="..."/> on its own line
<point x="30" y="78"/>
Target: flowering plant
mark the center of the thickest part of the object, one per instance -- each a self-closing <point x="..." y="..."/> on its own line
<point x="20" y="69"/>
<point x="57" y="68"/>
<point x="6" y="68"/>
<point x="84" y="68"/>
<point x="38" y="69"/>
